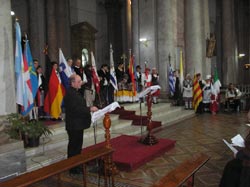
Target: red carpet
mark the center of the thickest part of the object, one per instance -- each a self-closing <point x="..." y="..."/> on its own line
<point x="130" y="154"/>
<point x="137" y="120"/>
<point x="50" y="122"/>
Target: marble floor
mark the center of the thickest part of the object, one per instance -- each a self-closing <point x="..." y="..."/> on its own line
<point x="202" y="133"/>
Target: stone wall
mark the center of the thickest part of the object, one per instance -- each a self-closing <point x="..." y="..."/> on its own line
<point x="7" y="80"/>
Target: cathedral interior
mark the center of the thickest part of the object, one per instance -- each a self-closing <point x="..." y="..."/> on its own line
<point x="210" y="34"/>
<point x="155" y="32"/>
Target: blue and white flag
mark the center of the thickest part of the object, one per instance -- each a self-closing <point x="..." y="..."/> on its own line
<point x="171" y="81"/>
<point x="64" y="70"/>
<point x="113" y="79"/>
<point x="32" y="70"/>
<point x="24" y="96"/>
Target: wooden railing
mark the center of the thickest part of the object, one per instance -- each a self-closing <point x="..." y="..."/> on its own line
<point x="104" y="153"/>
<point x="183" y="172"/>
<point x="61" y="166"/>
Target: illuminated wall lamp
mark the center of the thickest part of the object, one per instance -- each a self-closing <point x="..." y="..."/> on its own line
<point x="144" y="41"/>
<point x="241" y="55"/>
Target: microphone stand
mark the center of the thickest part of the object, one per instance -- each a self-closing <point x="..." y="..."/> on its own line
<point x="141" y="116"/>
<point x="96" y="167"/>
<point x="140" y="100"/>
<point x="94" y="126"/>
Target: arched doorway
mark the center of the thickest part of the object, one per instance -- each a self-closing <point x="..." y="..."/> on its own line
<point x="83" y="41"/>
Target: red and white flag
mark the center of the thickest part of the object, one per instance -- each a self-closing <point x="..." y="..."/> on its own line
<point x="96" y="80"/>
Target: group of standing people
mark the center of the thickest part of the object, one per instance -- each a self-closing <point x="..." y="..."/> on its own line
<point x="210" y="95"/>
<point x="127" y="92"/>
<point x="210" y="89"/>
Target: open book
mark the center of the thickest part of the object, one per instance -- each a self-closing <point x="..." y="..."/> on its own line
<point x="151" y="89"/>
<point x="236" y="141"/>
<point x="230" y="147"/>
<point x="100" y="113"/>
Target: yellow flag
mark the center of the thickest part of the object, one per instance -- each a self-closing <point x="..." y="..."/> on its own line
<point x="181" y="70"/>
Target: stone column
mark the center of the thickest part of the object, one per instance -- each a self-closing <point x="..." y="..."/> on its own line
<point x="51" y="29"/>
<point x="205" y="33"/>
<point x="7" y="80"/>
<point x="166" y="38"/>
<point x="113" y="9"/>
<point x="127" y="28"/>
<point x="36" y="35"/>
<point x="228" y="43"/>
<point x="63" y="26"/>
<point x="135" y="30"/>
<point x="148" y="29"/>
<point x="194" y="36"/>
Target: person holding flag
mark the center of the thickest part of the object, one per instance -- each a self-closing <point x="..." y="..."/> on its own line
<point x="95" y="78"/>
<point x="171" y="81"/>
<point x="64" y="70"/>
<point x="104" y="76"/>
<point x="215" y="97"/>
<point x="197" y="94"/>
<point x="89" y="86"/>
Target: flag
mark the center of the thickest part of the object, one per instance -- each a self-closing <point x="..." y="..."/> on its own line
<point x="113" y="79"/>
<point x="217" y="83"/>
<point x="171" y="80"/>
<point x="181" y="71"/>
<point x="96" y="80"/>
<point x="131" y="73"/>
<point x="197" y="93"/>
<point x="32" y="70"/>
<point x="24" y="95"/>
<point x="64" y="70"/>
<point x="54" y="97"/>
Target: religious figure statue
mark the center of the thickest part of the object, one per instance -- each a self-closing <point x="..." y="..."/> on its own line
<point x="211" y="45"/>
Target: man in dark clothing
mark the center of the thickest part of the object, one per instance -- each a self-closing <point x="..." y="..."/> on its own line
<point x="78" y="69"/>
<point x="177" y="89"/>
<point x="104" y="76"/>
<point x="237" y="171"/>
<point x="77" y="117"/>
<point x="138" y="79"/>
<point x="88" y="86"/>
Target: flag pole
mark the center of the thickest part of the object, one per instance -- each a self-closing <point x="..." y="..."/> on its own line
<point x="93" y="64"/>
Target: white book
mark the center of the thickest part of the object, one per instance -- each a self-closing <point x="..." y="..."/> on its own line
<point x="234" y="150"/>
<point x="238" y="141"/>
<point x="100" y="113"/>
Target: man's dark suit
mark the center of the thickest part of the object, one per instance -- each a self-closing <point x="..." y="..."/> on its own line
<point x="78" y="118"/>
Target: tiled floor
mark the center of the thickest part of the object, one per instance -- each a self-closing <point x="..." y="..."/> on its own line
<point x="202" y="133"/>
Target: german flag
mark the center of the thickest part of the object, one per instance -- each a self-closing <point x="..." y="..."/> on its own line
<point x="197" y="93"/>
<point x="54" y="97"/>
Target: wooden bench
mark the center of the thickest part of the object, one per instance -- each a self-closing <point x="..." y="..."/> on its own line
<point x="61" y="166"/>
<point x="183" y="172"/>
